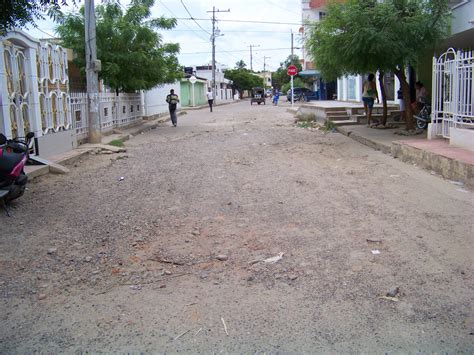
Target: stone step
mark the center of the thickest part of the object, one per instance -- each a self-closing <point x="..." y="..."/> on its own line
<point x="338" y="117"/>
<point x="376" y="116"/>
<point x="34" y="171"/>
<point x="344" y="123"/>
<point x="333" y="109"/>
<point x="336" y="113"/>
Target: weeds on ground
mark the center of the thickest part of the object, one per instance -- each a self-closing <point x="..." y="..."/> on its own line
<point x="305" y="121"/>
<point x="116" y="143"/>
<point x="304" y="124"/>
<point x="329" y="126"/>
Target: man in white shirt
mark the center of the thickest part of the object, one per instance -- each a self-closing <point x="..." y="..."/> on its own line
<point x="210" y="97"/>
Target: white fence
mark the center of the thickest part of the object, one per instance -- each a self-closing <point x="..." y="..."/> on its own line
<point x="452" y="94"/>
<point x="114" y="111"/>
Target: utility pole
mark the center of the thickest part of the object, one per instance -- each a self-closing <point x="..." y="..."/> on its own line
<point x="264" y="70"/>
<point x="215" y="33"/>
<point x="292" y="52"/>
<point x="251" y="46"/>
<point x="92" y="68"/>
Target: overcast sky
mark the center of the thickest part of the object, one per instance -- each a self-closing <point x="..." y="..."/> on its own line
<point x="270" y="40"/>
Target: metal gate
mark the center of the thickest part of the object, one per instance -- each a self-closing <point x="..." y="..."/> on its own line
<point x="452" y="93"/>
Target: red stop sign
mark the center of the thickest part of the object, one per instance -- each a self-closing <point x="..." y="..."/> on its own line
<point x="292" y="70"/>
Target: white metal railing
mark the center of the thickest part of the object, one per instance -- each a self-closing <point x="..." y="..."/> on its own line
<point x="114" y="111"/>
<point x="452" y="93"/>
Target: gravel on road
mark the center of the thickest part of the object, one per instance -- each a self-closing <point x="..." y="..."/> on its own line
<point x="238" y="231"/>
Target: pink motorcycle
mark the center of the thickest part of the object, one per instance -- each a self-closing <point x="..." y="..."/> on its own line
<point x="14" y="154"/>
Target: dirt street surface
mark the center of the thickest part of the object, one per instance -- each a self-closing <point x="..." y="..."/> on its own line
<point x="238" y="232"/>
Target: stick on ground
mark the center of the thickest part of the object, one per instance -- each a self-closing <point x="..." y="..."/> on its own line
<point x="179" y="336"/>
<point x="225" y="327"/>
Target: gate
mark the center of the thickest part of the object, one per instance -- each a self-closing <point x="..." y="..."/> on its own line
<point x="452" y="93"/>
<point x="34" y="87"/>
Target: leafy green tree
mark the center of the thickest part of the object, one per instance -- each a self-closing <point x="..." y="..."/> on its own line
<point x="363" y="36"/>
<point x="240" y="64"/>
<point x="280" y="76"/>
<point x="19" y="13"/>
<point x="297" y="82"/>
<point x="131" y="51"/>
<point x="243" y="79"/>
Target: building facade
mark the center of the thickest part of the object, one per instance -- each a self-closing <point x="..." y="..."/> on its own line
<point x="223" y="89"/>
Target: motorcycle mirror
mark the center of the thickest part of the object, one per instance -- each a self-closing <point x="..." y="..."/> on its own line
<point x="3" y="139"/>
<point x="30" y="135"/>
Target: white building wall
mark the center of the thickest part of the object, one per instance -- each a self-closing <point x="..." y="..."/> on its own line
<point x="463" y="15"/>
<point x="155" y="99"/>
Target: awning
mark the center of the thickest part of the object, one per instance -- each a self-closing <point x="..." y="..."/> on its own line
<point x="309" y="72"/>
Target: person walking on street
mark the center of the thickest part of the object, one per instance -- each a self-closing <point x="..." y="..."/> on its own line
<point x="172" y="99"/>
<point x="276" y="96"/>
<point x="369" y="94"/>
<point x="210" y="98"/>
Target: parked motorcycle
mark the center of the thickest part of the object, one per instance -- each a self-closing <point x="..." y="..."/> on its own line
<point x="14" y="154"/>
<point x="423" y="117"/>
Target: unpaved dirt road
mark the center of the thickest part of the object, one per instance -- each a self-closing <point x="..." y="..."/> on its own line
<point x="160" y="261"/>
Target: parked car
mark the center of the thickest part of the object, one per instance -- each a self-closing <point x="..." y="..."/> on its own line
<point x="301" y="94"/>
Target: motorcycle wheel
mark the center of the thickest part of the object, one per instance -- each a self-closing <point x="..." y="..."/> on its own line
<point x="16" y="191"/>
<point x="421" y="124"/>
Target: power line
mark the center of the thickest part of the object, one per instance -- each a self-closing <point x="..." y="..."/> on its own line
<point x="281" y="7"/>
<point x="244" y="21"/>
<point x="197" y="23"/>
<point x="243" y="50"/>
<point x="172" y="13"/>
<point x="235" y="31"/>
<point x="46" y="33"/>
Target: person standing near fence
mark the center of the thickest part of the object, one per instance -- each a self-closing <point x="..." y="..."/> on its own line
<point x="210" y="98"/>
<point x="172" y="99"/>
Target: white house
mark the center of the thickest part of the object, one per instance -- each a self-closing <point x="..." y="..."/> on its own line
<point x="223" y="85"/>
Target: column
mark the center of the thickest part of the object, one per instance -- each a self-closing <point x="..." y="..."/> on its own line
<point x="33" y="88"/>
<point x="4" y="100"/>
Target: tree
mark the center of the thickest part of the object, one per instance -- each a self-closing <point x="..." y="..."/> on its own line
<point x="363" y="36"/>
<point x="132" y="54"/>
<point x="243" y="79"/>
<point x="297" y="82"/>
<point x="19" y="13"/>
<point x="280" y="77"/>
<point x="240" y="64"/>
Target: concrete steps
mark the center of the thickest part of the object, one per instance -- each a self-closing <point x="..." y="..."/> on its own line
<point x="337" y="115"/>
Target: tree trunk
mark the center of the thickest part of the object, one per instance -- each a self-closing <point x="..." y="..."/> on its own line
<point x="410" y="122"/>
<point x="384" y="97"/>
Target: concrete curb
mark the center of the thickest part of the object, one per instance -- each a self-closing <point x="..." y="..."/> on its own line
<point x="366" y="141"/>
<point x="447" y="167"/>
<point x="207" y="106"/>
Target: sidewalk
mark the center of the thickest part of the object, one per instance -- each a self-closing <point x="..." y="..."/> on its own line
<point x="437" y="155"/>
